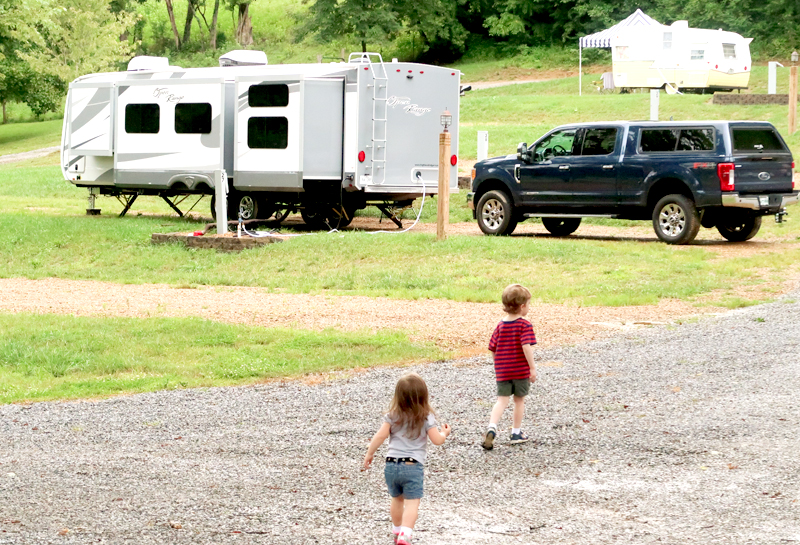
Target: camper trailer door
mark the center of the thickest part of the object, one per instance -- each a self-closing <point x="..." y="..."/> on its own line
<point x="269" y="141"/>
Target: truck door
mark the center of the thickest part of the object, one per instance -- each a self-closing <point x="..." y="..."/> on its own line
<point x="269" y="141"/>
<point x="593" y="172"/>
<point x="545" y="181"/>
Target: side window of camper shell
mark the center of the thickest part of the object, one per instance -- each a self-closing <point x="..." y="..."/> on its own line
<point x="268" y="95"/>
<point x="142" y="118"/>
<point x="667" y="140"/>
<point x="267" y="133"/>
<point x="193" y="118"/>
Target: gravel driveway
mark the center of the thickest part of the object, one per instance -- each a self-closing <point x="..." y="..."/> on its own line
<point x="671" y="434"/>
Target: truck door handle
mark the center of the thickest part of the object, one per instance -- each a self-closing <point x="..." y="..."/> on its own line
<point x="608" y="167"/>
<point x="563" y="167"/>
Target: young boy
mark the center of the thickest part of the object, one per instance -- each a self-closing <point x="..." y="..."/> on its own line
<point x="512" y="349"/>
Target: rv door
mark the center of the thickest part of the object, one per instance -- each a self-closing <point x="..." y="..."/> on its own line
<point x="269" y="141"/>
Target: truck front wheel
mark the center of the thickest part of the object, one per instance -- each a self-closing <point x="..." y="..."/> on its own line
<point x="738" y="228"/>
<point x="675" y="219"/>
<point x="496" y="214"/>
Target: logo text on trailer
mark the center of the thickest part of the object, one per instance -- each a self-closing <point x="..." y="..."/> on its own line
<point x="406" y="105"/>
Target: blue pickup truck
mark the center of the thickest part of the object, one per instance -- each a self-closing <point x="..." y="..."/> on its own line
<point x="679" y="175"/>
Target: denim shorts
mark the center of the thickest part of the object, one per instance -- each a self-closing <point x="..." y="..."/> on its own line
<point x="404" y="479"/>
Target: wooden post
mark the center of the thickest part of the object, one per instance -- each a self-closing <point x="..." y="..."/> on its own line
<point x="792" y="100"/>
<point x="443" y="205"/>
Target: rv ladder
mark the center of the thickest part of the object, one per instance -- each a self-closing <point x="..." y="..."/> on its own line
<point x="380" y="115"/>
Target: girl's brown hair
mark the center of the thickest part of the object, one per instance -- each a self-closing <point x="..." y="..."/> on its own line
<point x="410" y="406"/>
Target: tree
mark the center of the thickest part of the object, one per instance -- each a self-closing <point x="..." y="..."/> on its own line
<point x="244" y="26"/>
<point x="367" y="20"/>
<point x="171" y="15"/>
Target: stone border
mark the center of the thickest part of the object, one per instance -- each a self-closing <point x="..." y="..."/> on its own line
<point x="749" y="98"/>
<point x="213" y="242"/>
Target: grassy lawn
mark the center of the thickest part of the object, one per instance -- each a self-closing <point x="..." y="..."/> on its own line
<point x="45" y="357"/>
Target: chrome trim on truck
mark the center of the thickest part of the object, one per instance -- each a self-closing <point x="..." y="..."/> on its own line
<point x="734" y="200"/>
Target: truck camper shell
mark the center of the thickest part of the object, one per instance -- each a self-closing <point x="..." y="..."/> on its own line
<point x="322" y="139"/>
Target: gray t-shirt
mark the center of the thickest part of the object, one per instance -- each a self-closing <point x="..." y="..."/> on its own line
<point x="401" y="446"/>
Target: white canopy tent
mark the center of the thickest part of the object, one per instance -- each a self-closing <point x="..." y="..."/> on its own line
<point x="602" y="39"/>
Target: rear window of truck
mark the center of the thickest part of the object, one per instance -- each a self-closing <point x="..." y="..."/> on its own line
<point x="669" y="140"/>
<point x="756" y="140"/>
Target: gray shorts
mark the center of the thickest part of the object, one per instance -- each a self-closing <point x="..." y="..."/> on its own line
<point x="517" y="387"/>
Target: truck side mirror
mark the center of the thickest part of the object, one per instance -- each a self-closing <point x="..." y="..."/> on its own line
<point x="522" y="152"/>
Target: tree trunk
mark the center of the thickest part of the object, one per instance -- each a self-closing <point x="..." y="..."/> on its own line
<point x="187" y="27"/>
<point x="244" y="28"/>
<point x="171" y="13"/>
<point x="213" y="29"/>
<point x="5" y="114"/>
<point x="363" y="46"/>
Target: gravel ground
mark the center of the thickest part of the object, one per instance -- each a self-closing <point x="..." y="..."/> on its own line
<point x="671" y="434"/>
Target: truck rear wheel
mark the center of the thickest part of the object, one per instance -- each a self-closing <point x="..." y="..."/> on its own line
<point x="496" y="214"/>
<point x="738" y="228"/>
<point x="675" y="219"/>
<point x="561" y="227"/>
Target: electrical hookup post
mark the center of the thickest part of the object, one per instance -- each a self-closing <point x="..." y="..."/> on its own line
<point x="443" y="199"/>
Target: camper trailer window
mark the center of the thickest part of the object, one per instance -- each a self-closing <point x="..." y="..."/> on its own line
<point x="696" y="140"/>
<point x="667" y="40"/>
<point x="142" y="118"/>
<point x="268" y="95"/>
<point x="599" y="141"/>
<point x="193" y="118"/>
<point x="698" y="54"/>
<point x="756" y="139"/>
<point x="655" y="140"/>
<point x="267" y="133"/>
<point x="729" y="51"/>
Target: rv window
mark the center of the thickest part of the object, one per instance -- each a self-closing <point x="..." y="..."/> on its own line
<point x="268" y="95"/>
<point x="193" y="118"/>
<point x="729" y="51"/>
<point x="267" y="133"/>
<point x="599" y="141"/>
<point x="667" y="40"/>
<point x="141" y="118"/>
<point x="698" y="54"/>
<point x="696" y="140"/>
<point x="654" y="140"/>
<point x="622" y="53"/>
<point x="756" y="140"/>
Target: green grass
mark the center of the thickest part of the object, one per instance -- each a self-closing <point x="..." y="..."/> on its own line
<point x="45" y="233"/>
<point x="20" y="137"/>
<point x="44" y="357"/>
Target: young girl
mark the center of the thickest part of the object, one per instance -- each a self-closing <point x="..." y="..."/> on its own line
<point x="408" y="425"/>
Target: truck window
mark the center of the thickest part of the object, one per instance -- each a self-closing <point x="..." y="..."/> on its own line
<point x="599" y="141"/>
<point x="557" y="144"/>
<point x="142" y="118"/>
<point x="268" y="95"/>
<point x="756" y="140"/>
<point x="267" y="133"/>
<point x="655" y="140"/>
<point x="696" y="140"/>
<point x="192" y="118"/>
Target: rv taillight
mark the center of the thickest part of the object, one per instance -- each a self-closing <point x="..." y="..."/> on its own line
<point x="453" y="160"/>
<point x="725" y="173"/>
<point x="361" y="156"/>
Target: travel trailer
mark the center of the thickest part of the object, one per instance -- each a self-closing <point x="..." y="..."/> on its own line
<point x="321" y="139"/>
<point x="677" y="57"/>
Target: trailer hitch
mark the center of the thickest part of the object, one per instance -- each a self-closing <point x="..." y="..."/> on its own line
<point x="779" y="216"/>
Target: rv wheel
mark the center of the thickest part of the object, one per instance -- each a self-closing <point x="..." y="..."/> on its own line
<point x="244" y="205"/>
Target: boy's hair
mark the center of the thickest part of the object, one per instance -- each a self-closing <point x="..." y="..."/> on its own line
<point x="410" y="406"/>
<point x="514" y="296"/>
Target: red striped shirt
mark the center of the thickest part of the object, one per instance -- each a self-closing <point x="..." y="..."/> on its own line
<point x="506" y="343"/>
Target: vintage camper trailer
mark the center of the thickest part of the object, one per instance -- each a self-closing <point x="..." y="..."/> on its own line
<point x="323" y="139"/>
<point x="678" y="57"/>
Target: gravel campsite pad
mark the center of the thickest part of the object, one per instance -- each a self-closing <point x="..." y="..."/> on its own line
<point x="669" y="434"/>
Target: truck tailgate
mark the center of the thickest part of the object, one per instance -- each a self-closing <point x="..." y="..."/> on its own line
<point x="763" y="163"/>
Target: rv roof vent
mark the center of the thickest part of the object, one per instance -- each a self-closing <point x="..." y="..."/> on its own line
<point x="144" y="62"/>
<point x="243" y="57"/>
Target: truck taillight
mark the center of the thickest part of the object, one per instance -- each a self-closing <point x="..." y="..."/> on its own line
<point x="725" y="173"/>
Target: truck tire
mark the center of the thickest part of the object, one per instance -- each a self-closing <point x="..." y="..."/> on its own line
<point x="496" y="214"/>
<point x="561" y="227"/>
<point x="675" y="219"/>
<point x="738" y="228"/>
